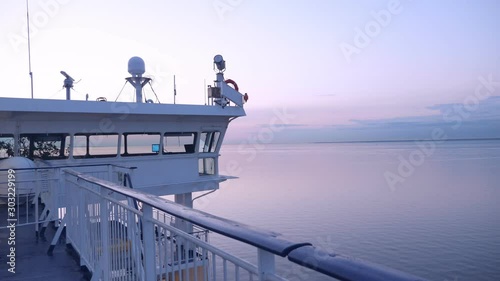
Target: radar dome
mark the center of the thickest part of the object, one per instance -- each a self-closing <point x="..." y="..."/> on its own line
<point x="17" y="163"/>
<point x="136" y="66"/>
<point x="24" y="176"/>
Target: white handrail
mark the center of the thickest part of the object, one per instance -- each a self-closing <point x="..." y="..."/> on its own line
<point x="117" y="241"/>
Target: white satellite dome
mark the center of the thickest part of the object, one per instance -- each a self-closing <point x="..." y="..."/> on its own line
<point x="16" y="163"/>
<point x="136" y="66"/>
<point x="24" y="179"/>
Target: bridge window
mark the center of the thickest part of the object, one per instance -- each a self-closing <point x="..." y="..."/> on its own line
<point x="79" y="146"/>
<point x="140" y="144"/>
<point x="206" y="166"/>
<point x="95" y="145"/>
<point x="6" y="146"/>
<point x="44" y="146"/>
<point x="179" y="143"/>
<point x="208" y="141"/>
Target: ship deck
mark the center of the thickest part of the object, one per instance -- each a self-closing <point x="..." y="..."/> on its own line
<point x="32" y="261"/>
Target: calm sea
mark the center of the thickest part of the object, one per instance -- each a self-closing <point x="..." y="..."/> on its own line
<point x="438" y="216"/>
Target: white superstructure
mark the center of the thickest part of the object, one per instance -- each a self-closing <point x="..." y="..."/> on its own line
<point x="174" y="147"/>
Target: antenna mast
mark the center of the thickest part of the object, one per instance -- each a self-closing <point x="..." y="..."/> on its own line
<point x="29" y="46"/>
<point x="136" y="68"/>
<point x="175" y="90"/>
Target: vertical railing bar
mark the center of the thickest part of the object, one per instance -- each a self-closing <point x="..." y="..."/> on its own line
<point x="195" y="258"/>
<point x="124" y="252"/>
<point x="115" y="239"/>
<point x="94" y="228"/>
<point x="122" y="242"/>
<point x="186" y="260"/>
<point x="158" y="250"/>
<point x="118" y="242"/>
<point x="126" y="229"/>
<point x="123" y="246"/>
<point x="148" y="236"/>
<point x="224" y="268"/>
<point x="98" y="231"/>
<point x="130" y="236"/>
<point x="168" y="252"/>
<point x="112" y="251"/>
<point x="171" y="254"/>
<point x="179" y="255"/>
<point x="140" y="231"/>
<point x="88" y="225"/>
<point x="78" y="231"/>
<point x="127" y="257"/>
<point x="203" y="261"/>
<point x="89" y="208"/>
<point x="128" y="261"/>
<point x="27" y="210"/>
<point x="37" y="195"/>
<point x="161" y="250"/>
<point x="214" y="268"/>
<point x="123" y="263"/>
<point x="81" y="217"/>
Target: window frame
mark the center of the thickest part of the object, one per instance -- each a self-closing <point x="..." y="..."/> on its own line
<point x="6" y="136"/>
<point x="214" y="139"/>
<point x="192" y="145"/>
<point x="33" y="138"/>
<point x="124" y="144"/>
<point x="88" y="147"/>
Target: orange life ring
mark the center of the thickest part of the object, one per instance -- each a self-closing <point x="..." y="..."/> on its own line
<point x="230" y="81"/>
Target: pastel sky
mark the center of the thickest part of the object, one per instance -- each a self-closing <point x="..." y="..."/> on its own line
<point x="323" y="70"/>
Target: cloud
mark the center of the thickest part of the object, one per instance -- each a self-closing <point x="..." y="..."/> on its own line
<point x="284" y="125"/>
<point x="458" y="120"/>
<point x="486" y="109"/>
<point x="481" y="121"/>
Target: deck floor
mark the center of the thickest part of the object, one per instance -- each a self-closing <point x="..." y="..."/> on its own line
<point x="32" y="261"/>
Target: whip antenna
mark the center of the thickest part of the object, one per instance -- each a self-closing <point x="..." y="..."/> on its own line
<point x="29" y="46"/>
<point x="175" y="90"/>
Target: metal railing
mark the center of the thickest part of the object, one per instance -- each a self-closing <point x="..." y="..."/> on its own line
<point x="40" y="193"/>
<point x="125" y="234"/>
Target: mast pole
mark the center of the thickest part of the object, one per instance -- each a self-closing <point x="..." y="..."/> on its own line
<point x="29" y="46"/>
<point x="175" y="90"/>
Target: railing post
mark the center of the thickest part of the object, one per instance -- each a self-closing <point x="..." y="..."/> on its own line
<point x="110" y="173"/>
<point x="265" y="264"/>
<point x="148" y="238"/>
<point x="104" y="223"/>
<point x="61" y="194"/>
<point x="82" y="231"/>
<point x="37" y="195"/>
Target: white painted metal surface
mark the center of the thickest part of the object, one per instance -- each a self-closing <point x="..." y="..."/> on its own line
<point x="134" y="244"/>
